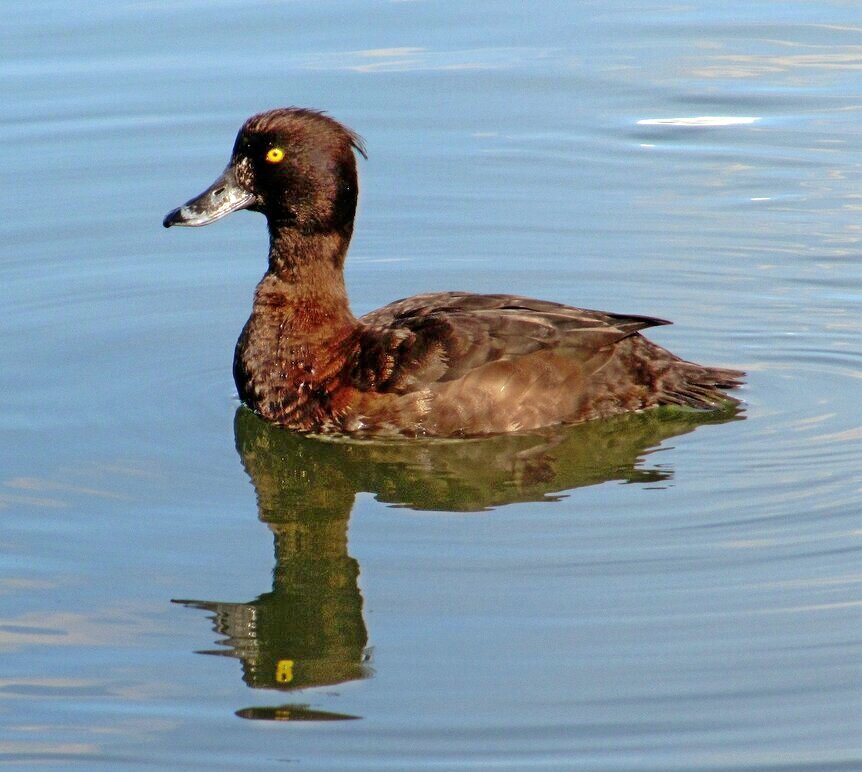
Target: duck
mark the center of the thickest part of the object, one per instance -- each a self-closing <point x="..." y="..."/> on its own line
<point x="441" y="364"/>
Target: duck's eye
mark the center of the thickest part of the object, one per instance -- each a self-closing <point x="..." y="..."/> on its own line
<point x="274" y="155"/>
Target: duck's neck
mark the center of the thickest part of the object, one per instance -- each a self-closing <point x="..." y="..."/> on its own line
<point x="304" y="284"/>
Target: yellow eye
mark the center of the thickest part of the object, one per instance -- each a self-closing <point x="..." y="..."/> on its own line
<point x="274" y="155"/>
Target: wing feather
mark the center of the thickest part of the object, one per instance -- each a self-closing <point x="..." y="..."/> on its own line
<point x="439" y="337"/>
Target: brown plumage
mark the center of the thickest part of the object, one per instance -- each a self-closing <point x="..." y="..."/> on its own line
<point x="443" y="364"/>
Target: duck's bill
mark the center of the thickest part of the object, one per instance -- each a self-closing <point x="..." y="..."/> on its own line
<point x="221" y="198"/>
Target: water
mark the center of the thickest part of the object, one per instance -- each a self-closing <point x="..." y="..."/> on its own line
<point x="647" y="594"/>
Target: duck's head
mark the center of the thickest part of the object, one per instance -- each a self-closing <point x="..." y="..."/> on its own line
<point x="296" y="166"/>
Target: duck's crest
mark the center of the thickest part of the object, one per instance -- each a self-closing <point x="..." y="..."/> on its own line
<point x="274" y="120"/>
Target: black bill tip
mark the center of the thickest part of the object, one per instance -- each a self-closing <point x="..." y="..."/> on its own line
<point x="174" y="217"/>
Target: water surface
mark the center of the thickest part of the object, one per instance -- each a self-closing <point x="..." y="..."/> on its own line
<point x="658" y="592"/>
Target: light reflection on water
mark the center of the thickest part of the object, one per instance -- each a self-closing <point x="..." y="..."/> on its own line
<point x="693" y="607"/>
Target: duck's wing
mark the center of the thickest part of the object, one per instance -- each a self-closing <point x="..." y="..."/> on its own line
<point x="434" y="338"/>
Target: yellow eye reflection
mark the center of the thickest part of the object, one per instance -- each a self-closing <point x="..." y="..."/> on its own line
<point x="274" y="155"/>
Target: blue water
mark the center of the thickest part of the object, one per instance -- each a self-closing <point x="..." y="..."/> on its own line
<point x="647" y="594"/>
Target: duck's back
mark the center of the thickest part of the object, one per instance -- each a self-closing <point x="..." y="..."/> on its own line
<point x="451" y="364"/>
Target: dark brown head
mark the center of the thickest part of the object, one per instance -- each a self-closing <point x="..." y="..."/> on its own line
<point x="296" y="166"/>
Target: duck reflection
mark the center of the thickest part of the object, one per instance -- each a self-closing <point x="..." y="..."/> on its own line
<point x="309" y="630"/>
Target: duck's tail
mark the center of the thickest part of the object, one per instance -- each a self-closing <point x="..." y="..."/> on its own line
<point x="697" y="386"/>
<point x="670" y="380"/>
